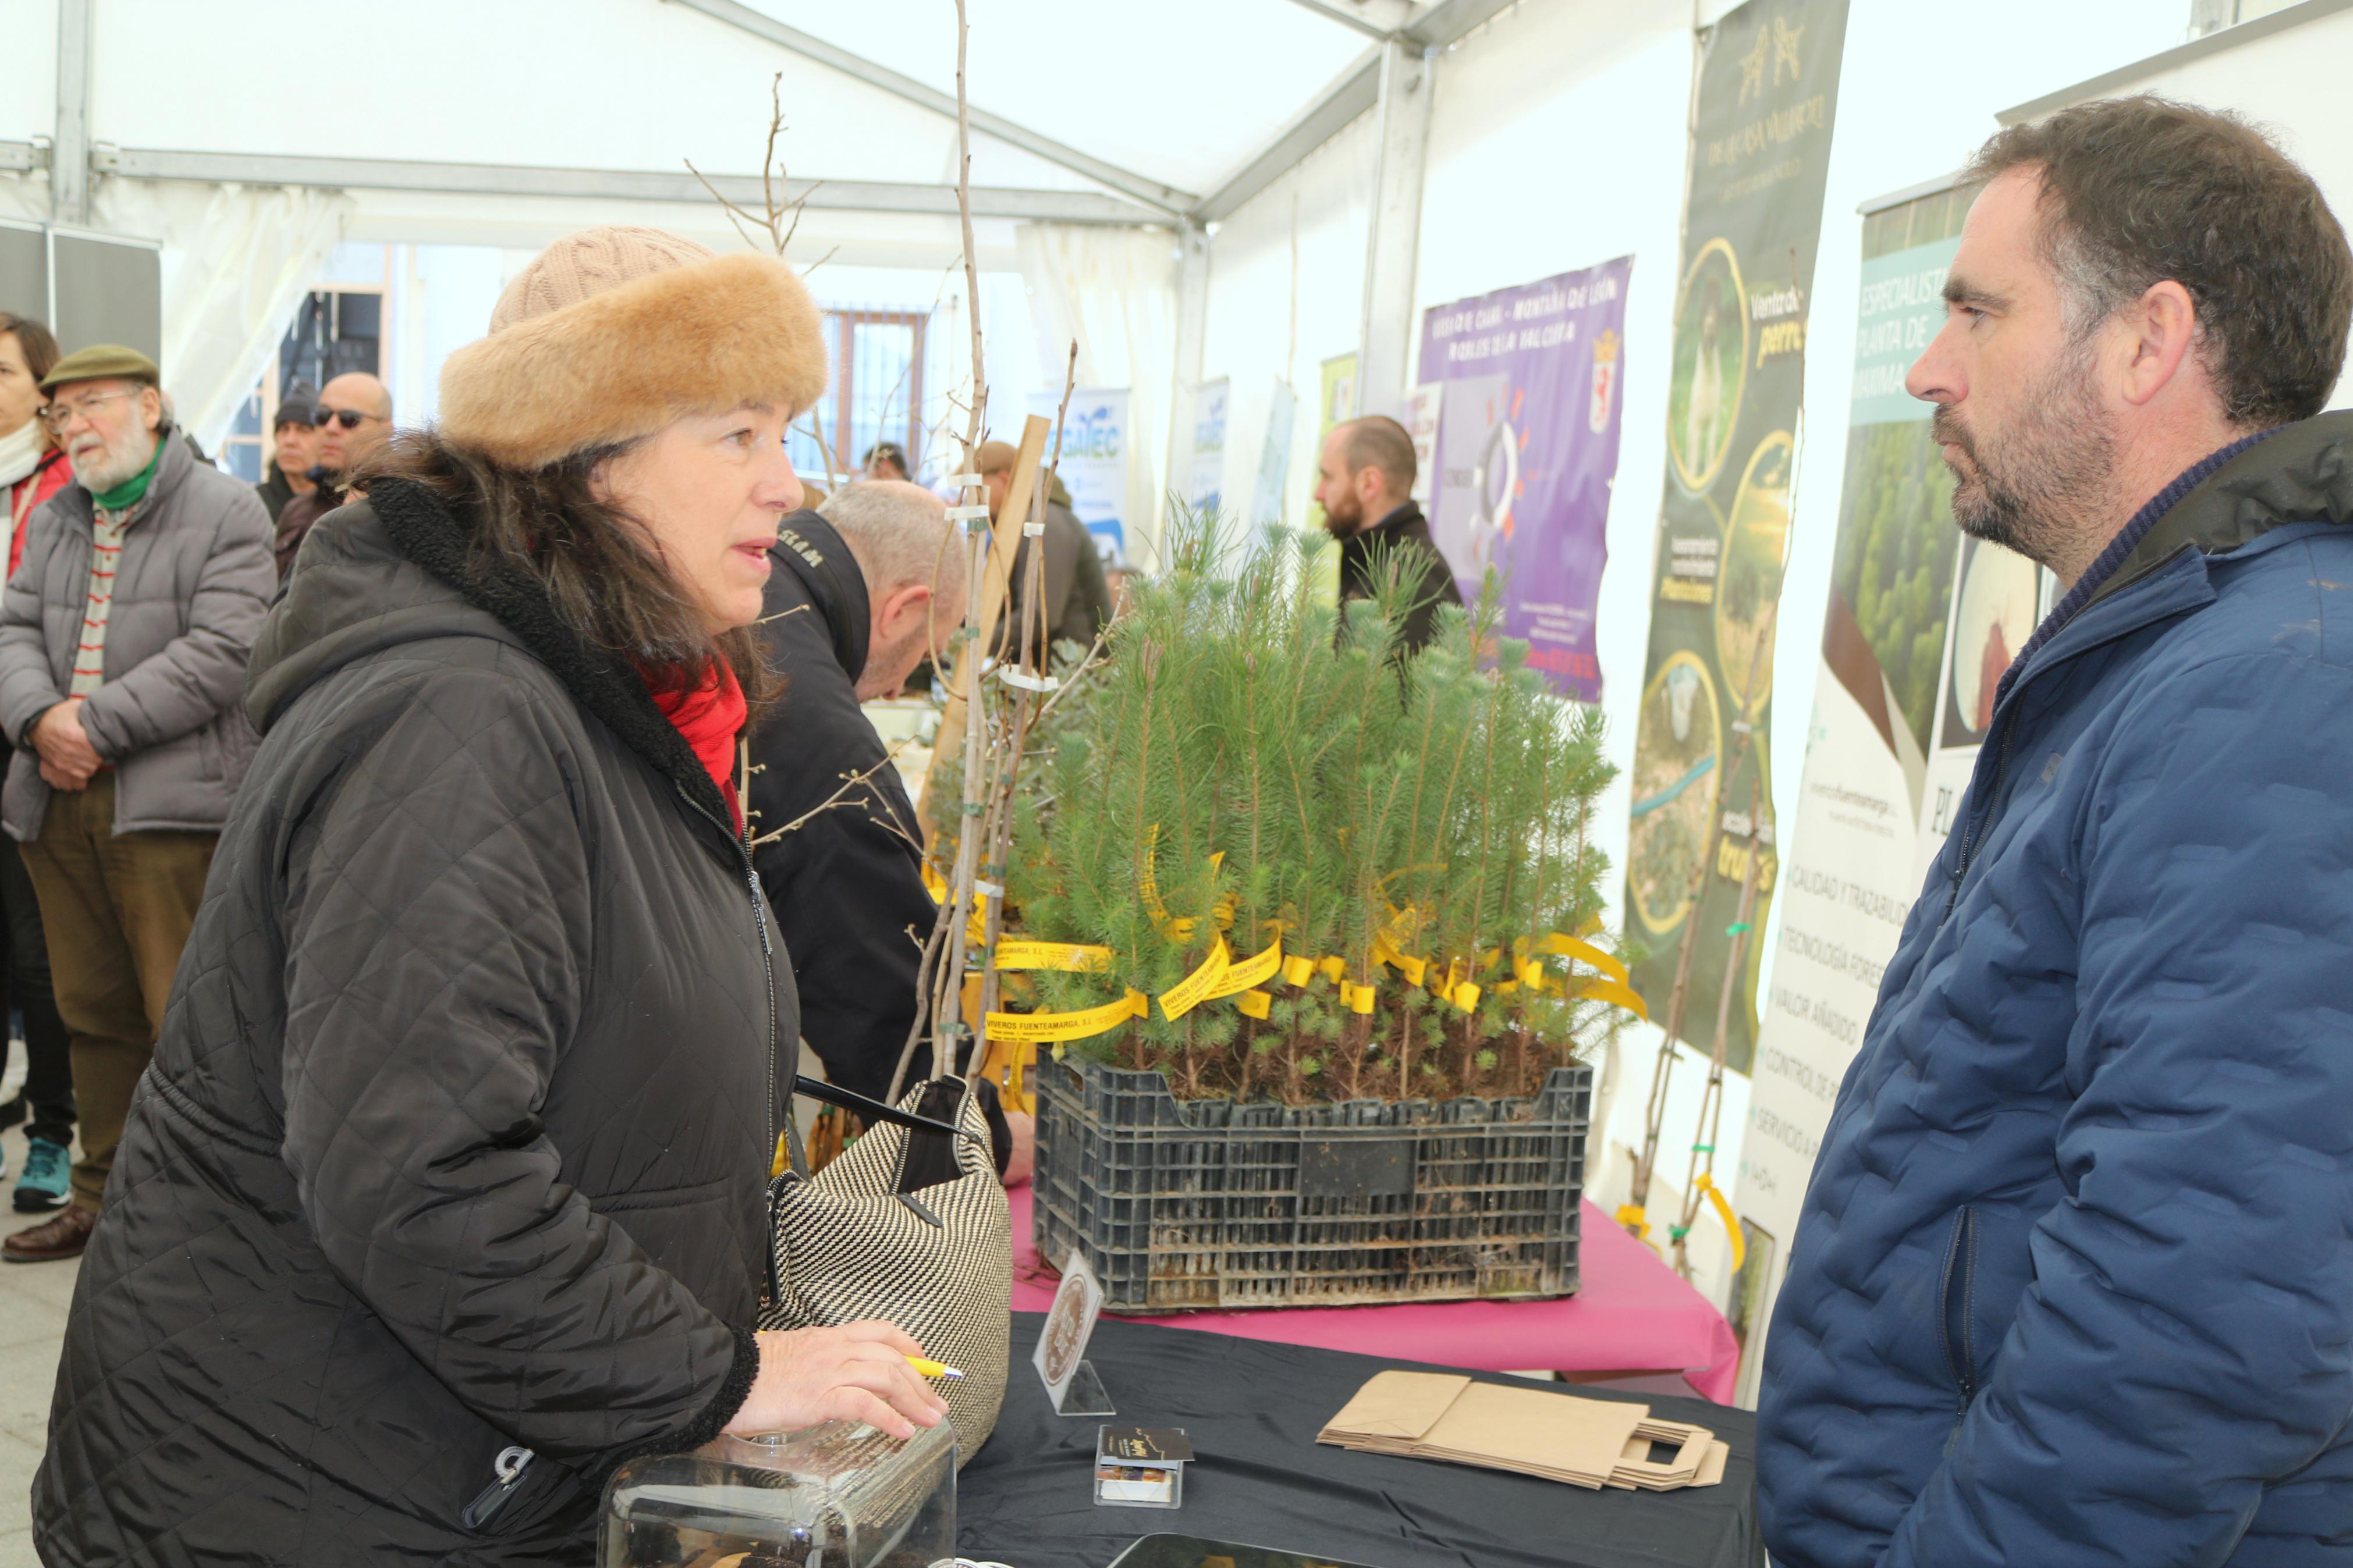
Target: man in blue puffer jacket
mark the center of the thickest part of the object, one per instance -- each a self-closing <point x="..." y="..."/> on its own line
<point x="2073" y="1281"/>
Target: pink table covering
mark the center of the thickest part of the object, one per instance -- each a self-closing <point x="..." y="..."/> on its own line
<point x="1630" y="1314"/>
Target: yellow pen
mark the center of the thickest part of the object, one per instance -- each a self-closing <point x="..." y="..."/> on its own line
<point x="932" y="1368"/>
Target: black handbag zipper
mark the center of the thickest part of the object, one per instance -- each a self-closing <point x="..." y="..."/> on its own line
<point x="508" y="1471"/>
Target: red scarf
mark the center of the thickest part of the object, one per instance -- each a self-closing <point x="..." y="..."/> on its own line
<point x="710" y="717"/>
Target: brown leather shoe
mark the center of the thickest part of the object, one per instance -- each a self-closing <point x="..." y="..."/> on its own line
<point x="64" y="1237"/>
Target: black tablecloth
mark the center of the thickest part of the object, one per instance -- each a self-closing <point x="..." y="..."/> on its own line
<point x="1252" y="1410"/>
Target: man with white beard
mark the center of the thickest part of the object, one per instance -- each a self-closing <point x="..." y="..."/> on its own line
<point x="124" y="640"/>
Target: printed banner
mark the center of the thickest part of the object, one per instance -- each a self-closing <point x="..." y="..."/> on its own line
<point x="1527" y="449"/>
<point x="1274" y="456"/>
<point x="1768" y="83"/>
<point x="1921" y="625"/>
<point x="1094" y="459"/>
<point x="1206" y="485"/>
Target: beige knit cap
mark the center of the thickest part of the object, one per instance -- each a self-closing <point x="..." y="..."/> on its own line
<point x="588" y="263"/>
<point x="612" y="334"/>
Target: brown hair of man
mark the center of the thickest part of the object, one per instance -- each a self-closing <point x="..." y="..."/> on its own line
<point x="2140" y="190"/>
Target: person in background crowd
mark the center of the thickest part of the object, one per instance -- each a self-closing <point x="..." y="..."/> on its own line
<point x="33" y="468"/>
<point x="1364" y="482"/>
<point x="2072" y="1281"/>
<point x="123" y="638"/>
<point x="1077" y="603"/>
<point x="864" y="587"/>
<point x="294" y="451"/>
<point x="885" y="461"/>
<point x="355" y="418"/>
<point x="447" y="1191"/>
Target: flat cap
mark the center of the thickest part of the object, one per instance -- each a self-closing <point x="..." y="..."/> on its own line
<point x="103" y="362"/>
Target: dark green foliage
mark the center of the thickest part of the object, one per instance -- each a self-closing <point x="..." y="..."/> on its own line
<point x="1893" y="563"/>
<point x="1341" y="789"/>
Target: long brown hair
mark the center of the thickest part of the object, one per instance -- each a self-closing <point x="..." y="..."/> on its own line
<point x="39" y="347"/>
<point x="603" y="573"/>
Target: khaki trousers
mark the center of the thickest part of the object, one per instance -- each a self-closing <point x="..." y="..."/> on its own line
<point x="118" y="910"/>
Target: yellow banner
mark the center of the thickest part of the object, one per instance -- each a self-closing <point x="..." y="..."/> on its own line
<point x="1251" y="972"/>
<point x="1198" y="987"/>
<point x="1074" y="957"/>
<point x="1025" y="1029"/>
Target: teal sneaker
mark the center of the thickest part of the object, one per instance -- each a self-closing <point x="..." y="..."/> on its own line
<point x="43" y="1184"/>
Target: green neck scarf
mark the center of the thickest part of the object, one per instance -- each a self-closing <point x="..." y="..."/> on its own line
<point x="133" y="490"/>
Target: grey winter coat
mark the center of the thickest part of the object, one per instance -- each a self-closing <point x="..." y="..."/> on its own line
<point x="457" y="1132"/>
<point x="194" y="580"/>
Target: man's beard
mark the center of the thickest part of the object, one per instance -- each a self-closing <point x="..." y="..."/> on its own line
<point x="108" y="469"/>
<point x="1340" y="523"/>
<point x="2043" y="480"/>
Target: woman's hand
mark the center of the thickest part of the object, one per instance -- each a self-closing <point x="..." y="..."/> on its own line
<point x="855" y="1373"/>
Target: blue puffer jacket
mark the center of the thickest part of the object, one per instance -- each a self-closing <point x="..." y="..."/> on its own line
<point x="2073" y="1281"/>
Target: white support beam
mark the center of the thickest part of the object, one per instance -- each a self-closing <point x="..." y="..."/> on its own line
<point x="1442" y="25"/>
<point x="1192" y="338"/>
<point x="614" y="185"/>
<point x="1150" y="191"/>
<point x="70" y="164"/>
<point x="1393" y="250"/>
<point x="1374" y="18"/>
<point x="1353" y="91"/>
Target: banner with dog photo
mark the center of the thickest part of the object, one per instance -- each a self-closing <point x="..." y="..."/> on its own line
<point x="1769" y="84"/>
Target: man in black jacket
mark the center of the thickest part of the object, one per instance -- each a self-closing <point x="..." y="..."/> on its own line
<point x="862" y="589"/>
<point x="1364" y="482"/>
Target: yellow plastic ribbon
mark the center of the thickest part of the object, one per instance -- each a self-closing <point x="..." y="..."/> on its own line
<point x="1254" y="971"/>
<point x="1723" y="1212"/>
<point x="1029" y="1027"/>
<point x="1358" y="998"/>
<point x="1298" y="969"/>
<point x="1198" y="987"/>
<point x="1631" y="1216"/>
<point x="1333" y="967"/>
<point x="1562" y="946"/>
<point x="1076" y="958"/>
<point x="1625" y="997"/>
<point x="1385" y="951"/>
<point x="1465" y="996"/>
<point x="1254" y="1004"/>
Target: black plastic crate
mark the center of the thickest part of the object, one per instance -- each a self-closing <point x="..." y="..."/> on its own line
<point x="1344" y="1203"/>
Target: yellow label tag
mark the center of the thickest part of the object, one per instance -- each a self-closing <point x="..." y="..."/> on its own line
<point x="1297" y="969"/>
<point x="1569" y="947"/>
<point x="1198" y="987"/>
<point x="1073" y="956"/>
<point x="1609" y="991"/>
<point x="1465" y="996"/>
<point x="1334" y="966"/>
<point x="1630" y="1215"/>
<point x="1384" y="951"/>
<point x="1029" y="1027"/>
<point x="1731" y="1221"/>
<point x="1531" y="972"/>
<point x="1359" y="998"/>
<point x="1254" y="1004"/>
<point x="1256" y="970"/>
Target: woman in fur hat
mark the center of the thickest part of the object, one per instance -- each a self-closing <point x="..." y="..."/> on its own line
<point x="445" y="1193"/>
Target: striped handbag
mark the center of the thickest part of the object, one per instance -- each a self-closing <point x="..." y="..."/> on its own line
<point x="910" y="1227"/>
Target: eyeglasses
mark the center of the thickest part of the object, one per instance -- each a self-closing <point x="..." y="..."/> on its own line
<point x="349" y="418"/>
<point x="57" y="415"/>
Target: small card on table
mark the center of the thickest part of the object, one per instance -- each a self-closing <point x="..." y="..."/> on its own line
<point x="1140" y="1467"/>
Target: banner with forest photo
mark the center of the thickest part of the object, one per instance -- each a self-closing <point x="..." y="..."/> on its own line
<point x="1921" y="624"/>
<point x="1767" y="86"/>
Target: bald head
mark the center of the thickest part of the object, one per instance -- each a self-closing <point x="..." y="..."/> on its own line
<point x="354" y="419"/>
<point x="1365" y="472"/>
<point x="906" y="551"/>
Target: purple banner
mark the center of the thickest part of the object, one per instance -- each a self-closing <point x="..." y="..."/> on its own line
<point x="1527" y="382"/>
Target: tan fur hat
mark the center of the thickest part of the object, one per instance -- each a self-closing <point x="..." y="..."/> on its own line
<point x="611" y="333"/>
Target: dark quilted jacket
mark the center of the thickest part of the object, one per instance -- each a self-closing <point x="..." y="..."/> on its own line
<point x="457" y="1134"/>
<point x="2073" y="1280"/>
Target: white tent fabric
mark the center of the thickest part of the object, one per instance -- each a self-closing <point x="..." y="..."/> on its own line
<point x="1114" y="293"/>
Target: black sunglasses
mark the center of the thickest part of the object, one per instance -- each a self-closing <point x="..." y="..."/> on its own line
<point x="349" y="418"/>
